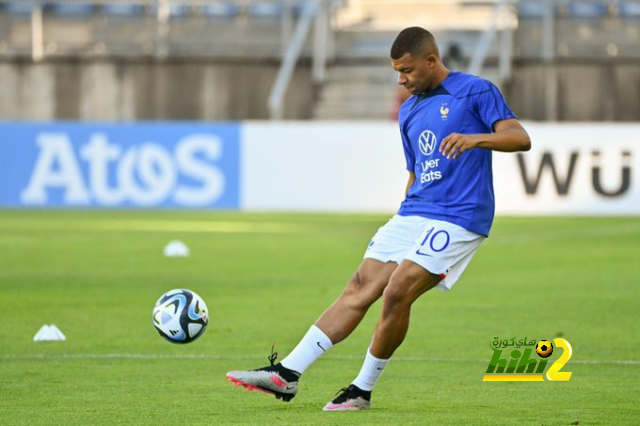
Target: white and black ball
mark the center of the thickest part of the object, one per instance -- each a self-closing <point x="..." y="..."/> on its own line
<point x="180" y="316"/>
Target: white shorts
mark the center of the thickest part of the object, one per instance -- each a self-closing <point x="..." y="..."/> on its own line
<point x="441" y="248"/>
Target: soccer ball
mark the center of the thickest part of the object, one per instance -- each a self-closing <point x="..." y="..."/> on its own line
<point x="180" y="316"/>
<point x="544" y="348"/>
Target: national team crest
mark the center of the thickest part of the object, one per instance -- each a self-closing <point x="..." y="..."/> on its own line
<point x="444" y="111"/>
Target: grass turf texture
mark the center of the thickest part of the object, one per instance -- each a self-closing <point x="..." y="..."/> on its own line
<point x="266" y="278"/>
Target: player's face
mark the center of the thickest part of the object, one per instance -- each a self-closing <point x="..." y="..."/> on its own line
<point x="416" y="74"/>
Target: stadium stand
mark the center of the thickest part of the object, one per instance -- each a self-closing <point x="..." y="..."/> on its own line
<point x="70" y="10"/>
<point x="121" y="9"/>
<point x="266" y="9"/>
<point x="17" y="9"/>
<point x="531" y="9"/>
<point x="587" y="35"/>
<point x="629" y="9"/>
<point x="588" y="9"/>
<point x="179" y="10"/>
<point x="221" y="9"/>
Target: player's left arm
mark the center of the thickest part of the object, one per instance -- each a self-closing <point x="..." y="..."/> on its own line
<point x="508" y="136"/>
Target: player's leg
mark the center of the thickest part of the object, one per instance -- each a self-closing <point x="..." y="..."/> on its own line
<point x="343" y="316"/>
<point x="335" y="324"/>
<point x="441" y="254"/>
<point x="363" y="289"/>
<point x="406" y="285"/>
<point x="386" y="250"/>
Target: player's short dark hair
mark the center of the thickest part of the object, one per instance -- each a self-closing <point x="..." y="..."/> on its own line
<point x="415" y="41"/>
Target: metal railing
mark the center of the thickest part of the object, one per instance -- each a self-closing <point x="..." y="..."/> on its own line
<point x="504" y="21"/>
<point x="276" y="98"/>
<point x="314" y="10"/>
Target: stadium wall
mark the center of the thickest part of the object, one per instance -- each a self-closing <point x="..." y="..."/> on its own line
<point x="133" y="89"/>
<point x="147" y="89"/>
<point x="586" y="90"/>
<point x="577" y="169"/>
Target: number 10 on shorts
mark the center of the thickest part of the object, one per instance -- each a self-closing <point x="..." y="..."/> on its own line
<point x="434" y="242"/>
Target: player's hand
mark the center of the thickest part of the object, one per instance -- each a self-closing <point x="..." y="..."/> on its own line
<point x="455" y="144"/>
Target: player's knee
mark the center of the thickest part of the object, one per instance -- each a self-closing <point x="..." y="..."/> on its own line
<point x="360" y="291"/>
<point x="395" y="296"/>
<point x="405" y="287"/>
<point x="356" y="285"/>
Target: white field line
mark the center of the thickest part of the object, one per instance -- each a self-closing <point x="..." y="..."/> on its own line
<point x="236" y="357"/>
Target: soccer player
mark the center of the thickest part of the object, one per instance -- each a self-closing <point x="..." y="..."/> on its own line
<point x="449" y="128"/>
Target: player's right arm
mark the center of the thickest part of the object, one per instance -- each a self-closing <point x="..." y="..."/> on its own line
<point x="412" y="179"/>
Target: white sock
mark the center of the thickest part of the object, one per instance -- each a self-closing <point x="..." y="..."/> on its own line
<point x="310" y="348"/>
<point x="370" y="372"/>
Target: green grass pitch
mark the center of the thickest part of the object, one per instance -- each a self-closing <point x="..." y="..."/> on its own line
<point x="266" y="278"/>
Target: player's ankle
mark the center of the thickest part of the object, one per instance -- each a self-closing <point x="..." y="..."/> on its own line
<point x="366" y="394"/>
<point x="287" y="374"/>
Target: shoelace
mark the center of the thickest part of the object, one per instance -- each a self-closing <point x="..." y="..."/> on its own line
<point x="341" y="392"/>
<point x="272" y="360"/>
<point x="273" y="357"/>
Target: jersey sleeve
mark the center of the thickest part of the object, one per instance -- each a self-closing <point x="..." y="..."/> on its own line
<point x="491" y="106"/>
<point x="409" y="155"/>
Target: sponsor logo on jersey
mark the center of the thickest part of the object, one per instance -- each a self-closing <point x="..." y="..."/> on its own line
<point x="427" y="142"/>
<point x="429" y="167"/>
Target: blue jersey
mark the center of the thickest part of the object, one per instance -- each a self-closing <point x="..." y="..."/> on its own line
<point x="459" y="191"/>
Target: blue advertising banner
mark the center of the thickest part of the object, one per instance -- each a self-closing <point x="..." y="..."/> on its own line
<point x="120" y="165"/>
